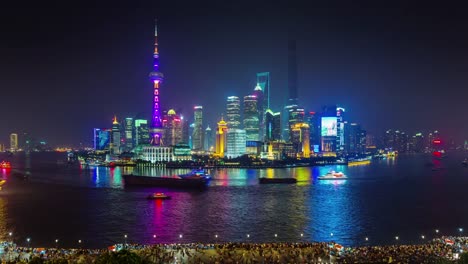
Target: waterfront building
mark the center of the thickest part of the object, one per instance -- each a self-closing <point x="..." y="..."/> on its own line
<point x="254" y="147"/>
<point x="186" y="136"/>
<point x="251" y="118"/>
<point x="129" y="132"/>
<point x="263" y="81"/>
<point x="209" y="139"/>
<point x="314" y="131"/>
<point x="417" y="143"/>
<point x="340" y="136"/>
<point x="13" y="142"/>
<point x="182" y="152"/>
<point x="156" y="78"/>
<point x="221" y="138"/>
<point x="258" y="92"/>
<point x="190" y="133"/>
<point x="102" y="139"/>
<point x="235" y="143"/>
<point x="296" y="115"/>
<point x="328" y="130"/>
<point x="115" y="139"/>
<point x="156" y="154"/>
<point x="301" y="140"/>
<point x="197" y="135"/>
<point x="272" y="126"/>
<point x="233" y="112"/>
<point x="142" y="136"/>
<point x="355" y="138"/>
<point x="172" y="124"/>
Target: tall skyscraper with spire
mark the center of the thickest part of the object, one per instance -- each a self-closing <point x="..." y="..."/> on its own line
<point x="156" y="78"/>
<point x="292" y="73"/>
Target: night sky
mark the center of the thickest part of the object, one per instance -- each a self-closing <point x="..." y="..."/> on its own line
<point x="65" y="70"/>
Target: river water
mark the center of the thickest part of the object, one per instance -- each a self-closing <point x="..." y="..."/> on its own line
<point x="400" y="197"/>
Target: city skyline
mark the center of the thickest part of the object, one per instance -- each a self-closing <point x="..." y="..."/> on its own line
<point x="376" y="114"/>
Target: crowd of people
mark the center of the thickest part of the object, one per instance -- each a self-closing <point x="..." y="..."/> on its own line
<point x="439" y="250"/>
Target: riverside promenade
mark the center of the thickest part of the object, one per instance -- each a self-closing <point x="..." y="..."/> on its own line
<point x="439" y="250"/>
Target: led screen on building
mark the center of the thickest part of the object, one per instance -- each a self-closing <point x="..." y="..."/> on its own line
<point x="329" y="127"/>
<point x="102" y="139"/>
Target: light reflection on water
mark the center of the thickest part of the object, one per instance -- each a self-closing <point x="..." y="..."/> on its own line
<point x="371" y="203"/>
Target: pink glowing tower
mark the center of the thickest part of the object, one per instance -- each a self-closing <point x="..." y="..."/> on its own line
<point x="156" y="78"/>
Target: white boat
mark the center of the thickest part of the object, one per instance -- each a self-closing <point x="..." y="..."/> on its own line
<point x="332" y="175"/>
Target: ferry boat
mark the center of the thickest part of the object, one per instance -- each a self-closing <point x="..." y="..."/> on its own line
<point x="195" y="179"/>
<point x="263" y="180"/>
<point x="361" y="161"/>
<point x="332" y="175"/>
<point x="158" y="196"/>
<point x="5" y="165"/>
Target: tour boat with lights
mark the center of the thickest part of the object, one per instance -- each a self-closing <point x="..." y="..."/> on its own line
<point x="2" y="182"/>
<point x="195" y="179"/>
<point x="332" y="175"/>
<point x="5" y="165"/>
<point x="263" y="180"/>
<point x="158" y="196"/>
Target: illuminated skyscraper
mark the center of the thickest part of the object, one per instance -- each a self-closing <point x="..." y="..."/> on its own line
<point x="221" y="132"/>
<point x="209" y="139"/>
<point x="102" y="138"/>
<point x="296" y="115"/>
<point x="251" y="118"/>
<point x="340" y="137"/>
<point x="272" y="126"/>
<point x="13" y="142"/>
<point x="235" y="146"/>
<point x="233" y="112"/>
<point x="129" y="134"/>
<point x="142" y="136"/>
<point x="157" y="78"/>
<point x="263" y="80"/>
<point x="173" y="133"/>
<point x="115" y="147"/>
<point x="300" y="139"/>
<point x="197" y="136"/>
<point x="258" y="92"/>
<point x="314" y="131"/>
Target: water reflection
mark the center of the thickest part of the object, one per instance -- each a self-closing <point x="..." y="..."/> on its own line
<point x="3" y="219"/>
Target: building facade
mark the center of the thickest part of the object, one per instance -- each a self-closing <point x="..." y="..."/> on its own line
<point x="235" y="143"/>
<point x="209" y="139"/>
<point x="251" y="118"/>
<point x="129" y="132"/>
<point x="221" y="141"/>
<point x="173" y="129"/>
<point x="115" y="147"/>
<point x="13" y="142"/>
<point x="272" y="126"/>
<point x="142" y="136"/>
<point x="197" y="135"/>
<point x="233" y="112"/>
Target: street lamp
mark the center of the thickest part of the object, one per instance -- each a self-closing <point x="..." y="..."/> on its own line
<point x="302" y="235"/>
<point x="437" y="231"/>
<point x="460" y="229"/>
<point x="56" y="243"/>
<point x="248" y="235"/>
<point x="28" y="240"/>
<point x="422" y="236"/>
<point x="396" y="238"/>
<point x="180" y="236"/>
<point x="154" y="236"/>
<point x="367" y="239"/>
<point x="125" y="236"/>
<point x="331" y="234"/>
<point x="79" y="242"/>
<point x="276" y="235"/>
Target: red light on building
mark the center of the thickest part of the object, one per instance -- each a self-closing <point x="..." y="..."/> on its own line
<point x="437" y="141"/>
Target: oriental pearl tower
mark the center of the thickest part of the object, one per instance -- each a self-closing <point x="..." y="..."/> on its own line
<point x="156" y="77"/>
